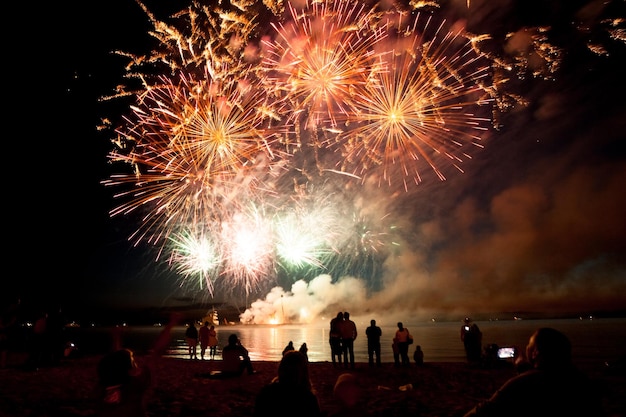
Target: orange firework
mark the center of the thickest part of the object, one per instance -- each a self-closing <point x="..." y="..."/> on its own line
<point x="321" y="58"/>
<point x="419" y="109"/>
<point x="195" y="146"/>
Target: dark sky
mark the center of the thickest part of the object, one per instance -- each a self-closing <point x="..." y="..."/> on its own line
<point x="535" y="223"/>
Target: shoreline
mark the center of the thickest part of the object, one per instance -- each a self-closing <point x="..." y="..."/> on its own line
<point x="181" y="388"/>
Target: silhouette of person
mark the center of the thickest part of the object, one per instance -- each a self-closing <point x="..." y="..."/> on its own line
<point x="38" y="344"/>
<point x="191" y="337"/>
<point x="418" y="356"/>
<point x="203" y="335"/>
<point x="396" y="352"/>
<point x="123" y="383"/>
<point x="290" y="393"/>
<point x="402" y="339"/>
<point x="336" y="350"/>
<point x="349" y="395"/>
<point x="471" y="336"/>
<point x="235" y="358"/>
<point x="348" y="336"/>
<point x="212" y="342"/>
<point x="373" y="333"/>
<point x="304" y="349"/>
<point x="288" y="347"/>
<point x="550" y="384"/>
<point x="8" y="324"/>
<point x="54" y="342"/>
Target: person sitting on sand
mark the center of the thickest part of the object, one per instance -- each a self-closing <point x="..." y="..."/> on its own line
<point x="418" y="356"/>
<point x="549" y="384"/>
<point x="290" y="393"/>
<point x="235" y="358"/>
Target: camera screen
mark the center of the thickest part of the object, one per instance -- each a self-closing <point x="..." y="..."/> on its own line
<point x="506" y="352"/>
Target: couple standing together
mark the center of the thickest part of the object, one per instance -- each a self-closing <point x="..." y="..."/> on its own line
<point x="341" y="337"/>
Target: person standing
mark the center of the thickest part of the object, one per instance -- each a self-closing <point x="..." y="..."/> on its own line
<point x="471" y="336"/>
<point x="191" y="337"/>
<point x="549" y="383"/>
<point x="373" y="333"/>
<point x="8" y="323"/>
<point x="55" y="335"/>
<point x="348" y="336"/>
<point x="212" y="342"/>
<point x="396" y="352"/>
<point x="402" y="338"/>
<point x="38" y="344"/>
<point x="336" y="350"/>
<point x="203" y="334"/>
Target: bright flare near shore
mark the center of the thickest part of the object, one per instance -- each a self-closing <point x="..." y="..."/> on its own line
<point x="233" y="112"/>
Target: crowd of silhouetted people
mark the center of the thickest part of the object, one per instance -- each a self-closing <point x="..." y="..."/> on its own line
<point x="41" y="336"/>
<point x="547" y="382"/>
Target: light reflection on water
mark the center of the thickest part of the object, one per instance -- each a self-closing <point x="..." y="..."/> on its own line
<point x="595" y="340"/>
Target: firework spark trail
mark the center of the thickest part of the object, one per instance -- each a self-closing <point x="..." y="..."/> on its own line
<point x="307" y="230"/>
<point x="196" y="254"/>
<point x="339" y="91"/>
<point x="190" y="145"/>
<point x="321" y="58"/>
<point x="249" y="251"/>
<point x="419" y="108"/>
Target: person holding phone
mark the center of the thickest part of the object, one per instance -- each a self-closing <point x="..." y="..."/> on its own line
<point x="549" y="384"/>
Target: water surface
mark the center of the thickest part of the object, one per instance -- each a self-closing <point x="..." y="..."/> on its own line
<point x="596" y="340"/>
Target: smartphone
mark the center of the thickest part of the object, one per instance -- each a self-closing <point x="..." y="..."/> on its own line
<point x="506" y="352"/>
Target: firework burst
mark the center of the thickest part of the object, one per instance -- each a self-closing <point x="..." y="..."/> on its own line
<point x="223" y="153"/>
<point x="196" y="254"/>
<point x="194" y="147"/>
<point x="419" y="108"/>
<point x="321" y="58"/>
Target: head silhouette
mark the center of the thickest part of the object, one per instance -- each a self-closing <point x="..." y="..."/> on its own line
<point x="293" y="370"/>
<point x="233" y="339"/>
<point x="114" y="368"/>
<point x="549" y="349"/>
<point x="347" y="390"/>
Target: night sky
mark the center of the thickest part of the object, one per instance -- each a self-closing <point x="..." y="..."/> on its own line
<point x="535" y="223"/>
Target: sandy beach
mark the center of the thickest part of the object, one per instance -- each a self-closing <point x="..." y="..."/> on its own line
<point x="181" y="388"/>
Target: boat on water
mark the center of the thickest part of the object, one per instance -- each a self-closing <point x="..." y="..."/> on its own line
<point x="212" y="317"/>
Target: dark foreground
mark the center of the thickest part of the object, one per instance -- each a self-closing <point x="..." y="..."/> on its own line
<point x="182" y="389"/>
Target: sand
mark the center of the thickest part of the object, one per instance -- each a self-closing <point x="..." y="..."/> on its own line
<point x="181" y="388"/>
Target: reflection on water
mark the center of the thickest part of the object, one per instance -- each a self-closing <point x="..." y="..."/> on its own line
<point x="595" y="340"/>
